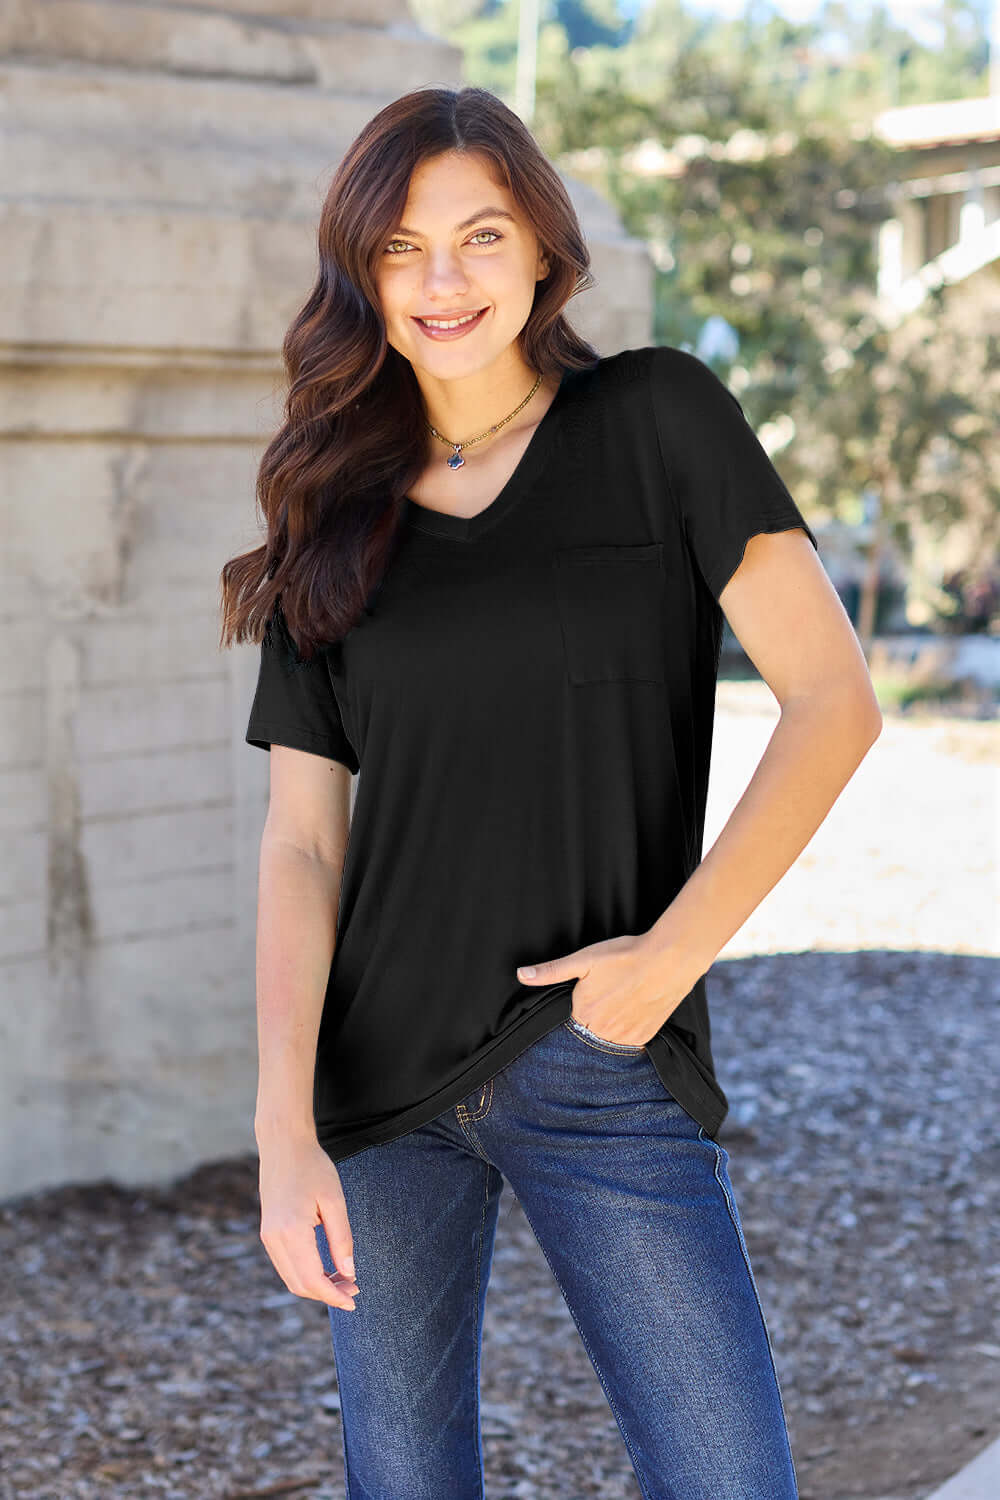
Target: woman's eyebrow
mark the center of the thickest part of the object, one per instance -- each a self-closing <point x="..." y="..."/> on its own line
<point x="484" y="213"/>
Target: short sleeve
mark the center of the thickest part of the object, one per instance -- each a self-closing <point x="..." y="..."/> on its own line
<point x="724" y="485"/>
<point x="295" y="703"/>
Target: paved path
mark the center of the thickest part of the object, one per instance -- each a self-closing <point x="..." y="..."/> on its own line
<point x="979" y="1480"/>
<point x="907" y="856"/>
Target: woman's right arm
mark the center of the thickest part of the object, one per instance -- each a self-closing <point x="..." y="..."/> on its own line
<point x="301" y="864"/>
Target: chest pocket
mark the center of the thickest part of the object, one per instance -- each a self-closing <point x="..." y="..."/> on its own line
<point x="610" y="602"/>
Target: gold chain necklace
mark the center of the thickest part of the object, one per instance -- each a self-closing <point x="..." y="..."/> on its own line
<point x="455" y="461"/>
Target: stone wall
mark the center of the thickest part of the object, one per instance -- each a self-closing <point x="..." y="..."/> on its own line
<point x="164" y="169"/>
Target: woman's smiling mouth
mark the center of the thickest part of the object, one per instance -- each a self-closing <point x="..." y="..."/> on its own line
<point x="451" y="328"/>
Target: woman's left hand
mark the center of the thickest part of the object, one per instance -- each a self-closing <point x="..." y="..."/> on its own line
<point x="624" y="991"/>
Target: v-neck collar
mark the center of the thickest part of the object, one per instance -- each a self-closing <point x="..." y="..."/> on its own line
<point x="529" y="467"/>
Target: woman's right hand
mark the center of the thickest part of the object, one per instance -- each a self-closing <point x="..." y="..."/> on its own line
<point x="300" y="1188"/>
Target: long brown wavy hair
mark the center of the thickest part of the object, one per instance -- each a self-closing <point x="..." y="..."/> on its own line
<point x="332" y="481"/>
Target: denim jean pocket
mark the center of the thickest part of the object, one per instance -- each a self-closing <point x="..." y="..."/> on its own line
<point x="600" y="1043"/>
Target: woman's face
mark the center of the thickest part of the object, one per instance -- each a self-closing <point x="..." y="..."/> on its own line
<point x="464" y="247"/>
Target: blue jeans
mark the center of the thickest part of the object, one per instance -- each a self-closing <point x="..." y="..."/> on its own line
<point x="631" y="1203"/>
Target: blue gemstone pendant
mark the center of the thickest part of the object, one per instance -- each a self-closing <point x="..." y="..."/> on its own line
<point x="455" y="461"/>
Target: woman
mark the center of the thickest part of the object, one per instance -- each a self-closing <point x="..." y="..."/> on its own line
<point x="493" y="582"/>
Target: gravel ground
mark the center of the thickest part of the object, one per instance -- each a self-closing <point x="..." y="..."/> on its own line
<point x="152" y="1351"/>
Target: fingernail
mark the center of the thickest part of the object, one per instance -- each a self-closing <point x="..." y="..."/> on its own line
<point x="528" y="971"/>
<point x="349" y="1266"/>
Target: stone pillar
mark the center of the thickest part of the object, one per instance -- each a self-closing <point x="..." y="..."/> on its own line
<point x="163" y="169"/>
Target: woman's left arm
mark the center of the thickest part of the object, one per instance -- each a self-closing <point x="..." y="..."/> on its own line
<point x="789" y="619"/>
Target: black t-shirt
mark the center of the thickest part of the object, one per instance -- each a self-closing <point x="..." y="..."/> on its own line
<point x="529" y="699"/>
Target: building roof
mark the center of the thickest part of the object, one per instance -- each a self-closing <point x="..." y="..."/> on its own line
<point x="948" y="122"/>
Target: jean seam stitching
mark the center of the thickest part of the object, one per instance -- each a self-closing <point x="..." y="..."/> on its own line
<point x="477" y="1425"/>
<point x="343" y="1431"/>
<point x="463" y="1119"/>
<point x="760" y="1310"/>
<point x="484" y="1109"/>
<point x="633" y="1456"/>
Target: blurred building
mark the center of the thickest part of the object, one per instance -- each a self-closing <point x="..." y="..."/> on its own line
<point x="944" y="235"/>
<point x="946" y="227"/>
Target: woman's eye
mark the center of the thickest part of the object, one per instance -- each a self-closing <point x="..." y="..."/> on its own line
<point x="407" y="246"/>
